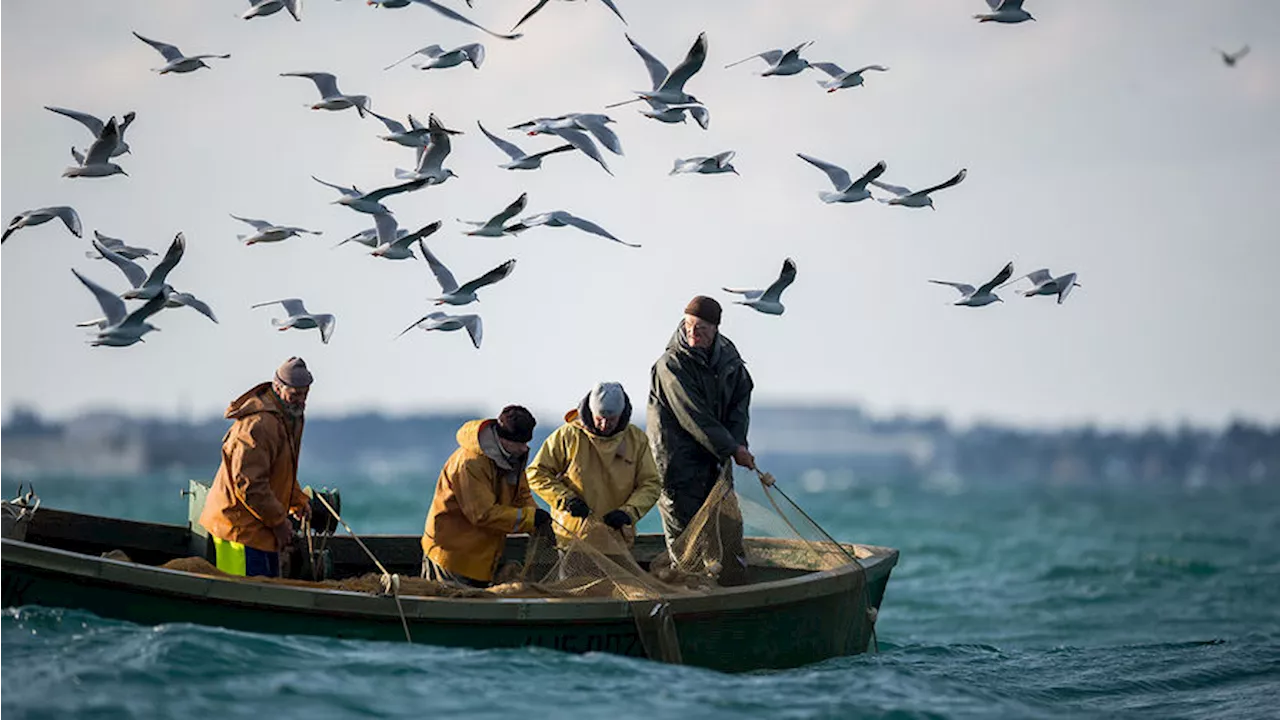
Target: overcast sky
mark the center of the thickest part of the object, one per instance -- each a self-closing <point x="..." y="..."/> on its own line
<point x="1107" y="138"/>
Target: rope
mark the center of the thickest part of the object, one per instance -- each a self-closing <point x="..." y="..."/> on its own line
<point x="390" y="582"/>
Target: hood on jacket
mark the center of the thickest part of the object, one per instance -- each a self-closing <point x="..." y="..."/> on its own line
<point x="582" y="416"/>
<point x="257" y="399"/>
<point x="481" y="438"/>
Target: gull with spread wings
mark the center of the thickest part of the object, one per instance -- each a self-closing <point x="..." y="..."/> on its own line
<point x="120" y="328"/>
<point x="906" y="197"/>
<point x="455" y="294"/>
<point x="330" y="97"/>
<point x="982" y="295"/>
<point x="40" y="216"/>
<point x="300" y="319"/>
<point x="443" y="321"/>
<point x="176" y="62"/>
<point x="393" y="243"/>
<point x="769" y="300"/>
<point x="847" y="189"/>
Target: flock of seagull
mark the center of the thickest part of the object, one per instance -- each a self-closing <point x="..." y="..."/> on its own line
<point x="666" y="101"/>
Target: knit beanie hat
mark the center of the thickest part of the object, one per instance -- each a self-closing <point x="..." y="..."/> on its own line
<point x="293" y="373"/>
<point x="515" y="423"/>
<point x="607" y="399"/>
<point x="704" y="308"/>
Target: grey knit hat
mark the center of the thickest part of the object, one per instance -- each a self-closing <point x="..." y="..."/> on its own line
<point x="607" y="399"/>
<point x="293" y="373"/>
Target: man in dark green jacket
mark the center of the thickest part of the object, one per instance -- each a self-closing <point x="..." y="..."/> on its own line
<point x="698" y="413"/>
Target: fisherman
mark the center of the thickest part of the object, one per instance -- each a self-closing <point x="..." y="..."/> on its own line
<point x="480" y="497"/>
<point x="698" y="413"/>
<point x="597" y="468"/>
<point x="256" y="489"/>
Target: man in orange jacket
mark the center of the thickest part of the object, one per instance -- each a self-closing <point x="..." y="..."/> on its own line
<point x="480" y="497"/>
<point x="246" y="512"/>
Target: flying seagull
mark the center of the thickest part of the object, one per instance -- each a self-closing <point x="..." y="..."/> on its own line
<point x="1004" y="11"/>
<point x="919" y="198"/>
<point x="439" y="58"/>
<point x="300" y="319"/>
<point x="594" y="123"/>
<point x="702" y="165"/>
<point x="43" y="215"/>
<point x="97" y="161"/>
<point x="176" y="61"/>
<point x="270" y="232"/>
<point x="263" y="8"/>
<point x="368" y="202"/>
<point x="769" y="300"/>
<point x="414" y="136"/>
<point x="455" y="294"/>
<point x="118" y="247"/>
<point x="393" y="243"/>
<point x="429" y="169"/>
<point x="442" y="321"/>
<point x="1230" y="59"/>
<point x="983" y="295"/>
<point x="542" y="3"/>
<point x="668" y="87"/>
<point x="445" y="11"/>
<point x="496" y="226"/>
<point x="520" y="160"/>
<point x="146" y="286"/>
<point x="847" y="189"/>
<point x="677" y="113"/>
<point x="781" y="62"/>
<point x="121" y="328"/>
<point x="1044" y="283"/>
<point x="560" y="218"/>
<point x="96" y="126"/>
<point x="841" y="79"/>
<point x="330" y="97"/>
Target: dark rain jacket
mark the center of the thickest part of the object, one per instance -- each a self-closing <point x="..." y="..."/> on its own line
<point x="698" y="413"/>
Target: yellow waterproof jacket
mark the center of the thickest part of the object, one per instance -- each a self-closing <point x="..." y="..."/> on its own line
<point x="257" y="483"/>
<point x="608" y="472"/>
<point x="480" y="497"/>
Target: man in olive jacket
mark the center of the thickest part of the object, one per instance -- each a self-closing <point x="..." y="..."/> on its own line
<point x="698" y="414"/>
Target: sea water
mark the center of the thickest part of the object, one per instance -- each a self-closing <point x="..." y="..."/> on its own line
<point x="1009" y="600"/>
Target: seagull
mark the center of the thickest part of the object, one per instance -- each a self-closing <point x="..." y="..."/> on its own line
<point x="1230" y="59"/>
<point x="414" y="136"/>
<point x="1004" y="11"/>
<point x="560" y="218"/>
<point x="847" y="190"/>
<point x="43" y="215"/>
<point x="520" y="160"/>
<point x="177" y="62"/>
<point x="668" y="87"/>
<point x="781" y="62"/>
<point x="496" y="225"/>
<point x="393" y="243"/>
<point x="366" y="202"/>
<point x="121" y="329"/>
<point x="769" y="300"/>
<point x="146" y="287"/>
<point x="676" y="113"/>
<point x="97" y="161"/>
<point x="367" y="237"/>
<point x="445" y="11"/>
<point x="841" y="79"/>
<point x="594" y="123"/>
<point x="270" y="232"/>
<point x="439" y="58"/>
<point x="263" y="8"/>
<point x="300" y="319"/>
<point x="429" y="170"/>
<point x="1044" y="283"/>
<point x="983" y="295"/>
<point x="330" y="97"/>
<point x="96" y="126"/>
<point x="919" y="198"/>
<point x="118" y="247"/>
<point x="542" y="3"/>
<point x="713" y="165"/>
<point x="441" y="321"/>
<point x="464" y="294"/>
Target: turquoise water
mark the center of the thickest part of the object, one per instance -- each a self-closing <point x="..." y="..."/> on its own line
<point x="1009" y="601"/>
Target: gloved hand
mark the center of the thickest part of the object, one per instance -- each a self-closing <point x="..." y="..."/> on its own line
<point x="541" y="518"/>
<point x="578" y="507"/>
<point x="616" y="519"/>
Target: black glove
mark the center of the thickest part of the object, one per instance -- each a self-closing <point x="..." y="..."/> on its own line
<point x="577" y="507"/>
<point x="541" y="518"/>
<point x="616" y="519"/>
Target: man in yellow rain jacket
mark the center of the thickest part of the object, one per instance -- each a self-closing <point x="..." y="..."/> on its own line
<point x="597" y="468"/>
<point x="480" y="497"/>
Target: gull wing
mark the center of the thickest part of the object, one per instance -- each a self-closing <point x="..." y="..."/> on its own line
<point x="489" y="278"/>
<point x="510" y="148"/>
<point x="112" y="306"/>
<point x="955" y="180"/>
<point x="994" y="4"/>
<point x="785" y="278"/>
<point x="560" y="218"/>
<point x="1065" y="283"/>
<point x="432" y="50"/>
<point x="257" y="224"/>
<point x="552" y="151"/>
<point x="437" y="151"/>
<point x="1005" y="273"/>
<point x="132" y="270"/>
<point x="94" y="124"/>
<point x="387" y="228"/>
<point x="348" y="191"/>
<point x="474" y="326"/>
<point x="474" y="53"/>
<point x="170" y="261"/>
<point x="510" y="211"/>
<point x="1037" y="277"/>
<point x="385" y="192"/>
<point x="447" y="283"/>
<point x="68" y="216"/>
<point x="964" y="288"/>
<point x="1239" y="53"/>
<point x="393" y="126"/>
<point x="839" y="176"/>
<point x="326" y="322"/>
<point x="101" y="149"/>
<point x="326" y="83"/>
<point x="1007" y="4"/>
<point x="876" y="171"/>
<point x="616" y="11"/>
<point x="170" y="52"/>
<point x="691" y="64"/>
<point x="773" y="57"/>
<point x="149" y="308"/>
<point x="75" y="155"/>
<point x="701" y="115"/>
<point x="293" y="306"/>
<point x="192" y="302"/>
<point x="722" y="159"/>
<point x="748" y="294"/>
<point x="895" y="189"/>
<point x="596" y="125"/>
<point x="879" y="68"/>
<point x="109" y="241"/>
<point x="533" y="11"/>
<point x="459" y="17"/>
<point x="657" y="71"/>
<point x="295" y="9"/>
<point x="422" y="232"/>
<point x="583" y="142"/>
<point x="831" y="69"/>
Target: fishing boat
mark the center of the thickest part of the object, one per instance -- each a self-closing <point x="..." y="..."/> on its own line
<point x="787" y="615"/>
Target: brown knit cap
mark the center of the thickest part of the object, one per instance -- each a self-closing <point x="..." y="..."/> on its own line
<point x="704" y="308"/>
<point x="516" y="423"/>
<point x="293" y="373"/>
